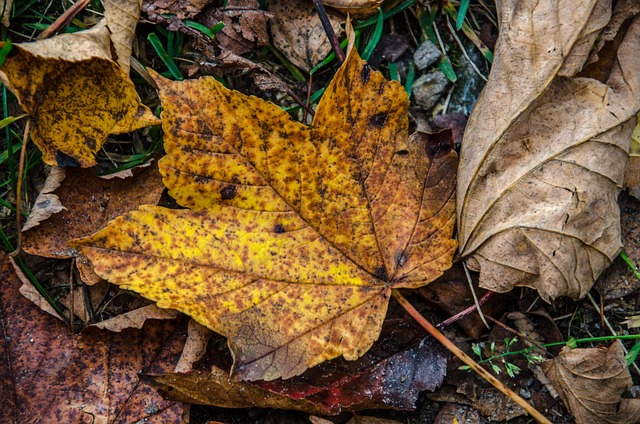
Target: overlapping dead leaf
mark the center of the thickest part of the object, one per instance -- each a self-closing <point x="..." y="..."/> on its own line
<point x="74" y="93"/>
<point x="591" y="383"/>
<point x="542" y="161"/>
<point x="49" y="375"/>
<point x="295" y="235"/>
<point x="89" y="203"/>
<point x="298" y="33"/>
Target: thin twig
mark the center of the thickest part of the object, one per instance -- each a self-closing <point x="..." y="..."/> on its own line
<point x="464" y="313"/>
<point x="466" y="359"/>
<point x="473" y="293"/>
<point x="328" y="29"/>
<point x="63" y="19"/>
<point x="23" y="155"/>
<point x="464" y="51"/>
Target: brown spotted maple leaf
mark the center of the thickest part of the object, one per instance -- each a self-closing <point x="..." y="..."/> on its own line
<point x="294" y="236"/>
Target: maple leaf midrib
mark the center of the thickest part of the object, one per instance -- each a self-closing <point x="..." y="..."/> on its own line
<point x="308" y="139"/>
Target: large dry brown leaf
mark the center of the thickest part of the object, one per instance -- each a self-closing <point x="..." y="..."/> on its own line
<point x="74" y="93"/>
<point x="90" y="203"/>
<point x="591" y="382"/>
<point x="542" y="161"/>
<point x="298" y="33"/>
<point x="295" y="235"/>
<point x="49" y="376"/>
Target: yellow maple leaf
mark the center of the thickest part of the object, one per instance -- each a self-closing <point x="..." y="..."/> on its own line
<point x="74" y="93"/>
<point x="295" y="235"/>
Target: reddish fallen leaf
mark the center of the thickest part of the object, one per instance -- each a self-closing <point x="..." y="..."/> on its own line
<point x="393" y="382"/>
<point x="49" y="376"/>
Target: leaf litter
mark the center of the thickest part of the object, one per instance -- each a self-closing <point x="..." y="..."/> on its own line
<point x="589" y="33"/>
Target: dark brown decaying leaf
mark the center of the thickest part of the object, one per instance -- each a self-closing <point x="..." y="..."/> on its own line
<point x="90" y="202"/>
<point x="591" y="383"/>
<point x="182" y="9"/>
<point x="49" y="376"/>
<point x="245" y="25"/>
<point x="298" y="33"/>
<point x="543" y="156"/>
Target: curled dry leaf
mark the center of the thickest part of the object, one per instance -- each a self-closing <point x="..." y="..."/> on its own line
<point x="543" y="156"/>
<point x="356" y="8"/>
<point x="245" y="25"/>
<point x="90" y="203"/>
<point x="295" y="235"/>
<point x="46" y="203"/>
<point x="122" y="17"/>
<point x="591" y="382"/>
<point x="298" y="33"/>
<point x="135" y="318"/>
<point x="74" y="93"/>
<point x="47" y="375"/>
<point x="5" y="12"/>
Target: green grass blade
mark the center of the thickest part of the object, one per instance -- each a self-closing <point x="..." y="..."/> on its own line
<point x="447" y="68"/>
<point x="4" y="51"/>
<point x="393" y="71"/>
<point x="411" y="76"/>
<point x="162" y="53"/>
<point x="464" y="5"/>
<point x="633" y="354"/>
<point x="375" y="38"/>
<point x="629" y="262"/>
<point x="209" y="32"/>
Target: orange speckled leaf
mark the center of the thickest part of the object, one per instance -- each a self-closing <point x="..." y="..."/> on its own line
<point x="295" y="235"/>
<point x="75" y="94"/>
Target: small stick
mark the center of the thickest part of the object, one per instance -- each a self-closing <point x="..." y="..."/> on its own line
<point x="23" y="154"/>
<point x="473" y="293"/>
<point x="326" y="24"/>
<point x="308" y="101"/>
<point x="466" y="359"/>
<point x="63" y="19"/>
<point x="464" y="313"/>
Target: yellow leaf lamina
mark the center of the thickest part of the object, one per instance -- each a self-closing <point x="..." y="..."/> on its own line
<point x="294" y="236"/>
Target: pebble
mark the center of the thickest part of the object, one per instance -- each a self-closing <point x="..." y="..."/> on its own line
<point x="426" y="55"/>
<point x="428" y="88"/>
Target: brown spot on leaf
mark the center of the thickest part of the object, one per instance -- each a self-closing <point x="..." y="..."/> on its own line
<point x="378" y="120"/>
<point x="228" y="192"/>
<point x="364" y="74"/>
<point x="380" y="273"/>
<point x="278" y="229"/>
<point x="440" y="143"/>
